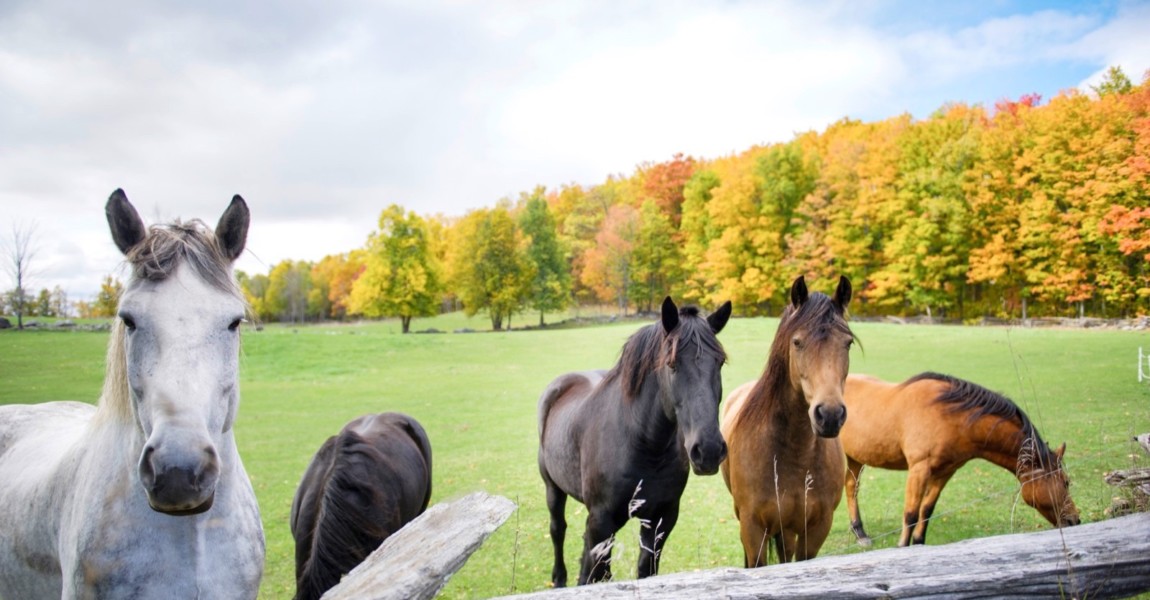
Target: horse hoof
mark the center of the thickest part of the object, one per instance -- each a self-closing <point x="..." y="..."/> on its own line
<point x="865" y="542"/>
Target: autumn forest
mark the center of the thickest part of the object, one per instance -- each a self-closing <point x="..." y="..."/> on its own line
<point x="1022" y="210"/>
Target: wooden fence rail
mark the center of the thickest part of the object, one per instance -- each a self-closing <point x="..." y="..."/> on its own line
<point x="416" y="562"/>
<point x="1106" y="559"/>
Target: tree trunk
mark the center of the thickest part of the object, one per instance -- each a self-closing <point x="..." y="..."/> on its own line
<point x="406" y="321"/>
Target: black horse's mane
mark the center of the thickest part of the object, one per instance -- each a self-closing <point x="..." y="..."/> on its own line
<point x="962" y="396"/>
<point x="651" y="347"/>
<point x="820" y="316"/>
<point x="343" y="536"/>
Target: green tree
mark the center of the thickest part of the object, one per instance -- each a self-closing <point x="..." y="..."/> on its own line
<point x="44" y="304"/>
<point x="286" y="295"/>
<point x="487" y="265"/>
<point x="255" y="289"/>
<point x="697" y="231"/>
<point x="656" y="260"/>
<point x="108" y="299"/>
<point x="551" y="284"/>
<point x="401" y="278"/>
<point x="60" y="302"/>
<point x="1115" y="82"/>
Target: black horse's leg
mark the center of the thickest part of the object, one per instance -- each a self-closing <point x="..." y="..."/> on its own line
<point x="653" y="537"/>
<point x="557" y="505"/>
<point x="598" y="540"/>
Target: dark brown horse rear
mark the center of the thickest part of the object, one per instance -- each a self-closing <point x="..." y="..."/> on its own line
<point x="620" y="442"/>
<point x="362" y="486"/>
<point x="932" y="424"/>
<point x="785" y="465"/>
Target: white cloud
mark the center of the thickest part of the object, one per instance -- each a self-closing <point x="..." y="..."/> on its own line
<point x="321" y="114"/>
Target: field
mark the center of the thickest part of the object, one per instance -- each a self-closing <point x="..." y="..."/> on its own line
<point x="476" y="394"/>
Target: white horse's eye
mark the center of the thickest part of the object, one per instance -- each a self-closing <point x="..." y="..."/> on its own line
<point x="235" y="324"/>
<point x="129" y="322"/>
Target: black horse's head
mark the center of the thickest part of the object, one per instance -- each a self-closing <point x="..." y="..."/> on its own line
<point x="690" y="382"/>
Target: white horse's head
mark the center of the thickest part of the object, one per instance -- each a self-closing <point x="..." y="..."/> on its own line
<point x="180" y="314"/>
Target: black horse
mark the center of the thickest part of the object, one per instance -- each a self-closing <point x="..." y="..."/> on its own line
<point x="362" y="486"/>
<point x="621" y="441"/>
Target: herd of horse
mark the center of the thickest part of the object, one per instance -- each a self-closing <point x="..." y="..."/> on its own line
<point x="145" y="494"/>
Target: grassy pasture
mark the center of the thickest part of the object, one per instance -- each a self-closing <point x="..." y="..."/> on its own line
<point x="476" y="394"/>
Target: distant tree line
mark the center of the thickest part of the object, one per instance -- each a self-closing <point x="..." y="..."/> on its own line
<point x="1029" y="209"/>
<point x="1026" y="209"/>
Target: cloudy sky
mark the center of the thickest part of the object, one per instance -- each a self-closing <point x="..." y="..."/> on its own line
<point x="322" y="112"/>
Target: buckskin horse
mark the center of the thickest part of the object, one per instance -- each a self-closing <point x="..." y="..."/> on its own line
<point x="785" y="465"/>
<point x="930" y="425"/>
<point x="622" y="441"/>
<point x="363" y="485"/>
<point x="143" y="495"/>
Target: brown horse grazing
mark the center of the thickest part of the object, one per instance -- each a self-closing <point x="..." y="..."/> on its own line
<point x="784" y="464"/>
<point x="362" y="486"/>
<point x="648" y="421"/>
<point x="930" y="425"/>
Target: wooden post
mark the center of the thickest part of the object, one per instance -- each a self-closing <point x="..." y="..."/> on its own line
<point x="417" y="561"/>
<point x="1107" y="559"/>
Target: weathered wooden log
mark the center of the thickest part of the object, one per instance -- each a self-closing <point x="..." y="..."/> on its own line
<point x="1107" y="559"/>
<point x="1131" y="478"/>
<point x="417" y="561"/>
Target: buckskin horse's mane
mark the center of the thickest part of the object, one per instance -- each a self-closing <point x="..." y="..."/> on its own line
<point x="651" y="348"/>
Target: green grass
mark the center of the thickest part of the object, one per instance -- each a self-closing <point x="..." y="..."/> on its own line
<point x="476" y="395"/>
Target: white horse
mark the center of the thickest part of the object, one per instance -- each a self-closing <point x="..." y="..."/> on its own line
<point x="144" y="495"/>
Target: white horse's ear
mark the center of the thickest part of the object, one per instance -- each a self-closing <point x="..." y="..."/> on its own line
<point x="126" y="225"/>
<point x="232" y="230"/>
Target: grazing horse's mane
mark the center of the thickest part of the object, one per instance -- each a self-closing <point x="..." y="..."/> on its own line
<point x="651" y="348"/>
<point x="819" y="316"/>
<point x="155" y="259"/>
<point x="964" y="396"/>
<point x="341" y="534"/>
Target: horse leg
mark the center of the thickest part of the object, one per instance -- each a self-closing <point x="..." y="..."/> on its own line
<point x="854" y="471"/>
<point x="933" y="491"/>
<point x="557" y="505"/>
<point x="785" y="544"/>
<point x="598" y="540"/>
<point x="810" y="541"/>
<point x="754" y="538"/>
<point x="652" y="537"/>
<point x="917" y="479"/>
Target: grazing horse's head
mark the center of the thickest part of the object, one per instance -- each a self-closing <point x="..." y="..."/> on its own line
<point x="179" y="319"/>
<point x="690" y="383"/>
<point x="816" y="340"/>
<point x="1045" y="485"/>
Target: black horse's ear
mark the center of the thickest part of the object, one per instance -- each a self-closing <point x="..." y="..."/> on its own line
<point x="126" y="225"/>
<point x="843" y="292"/>
<point x="670" y="315"/>
<point x="799" y="292"/>
<point x="232" y="230"/>
<point x="718" y="319"/>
